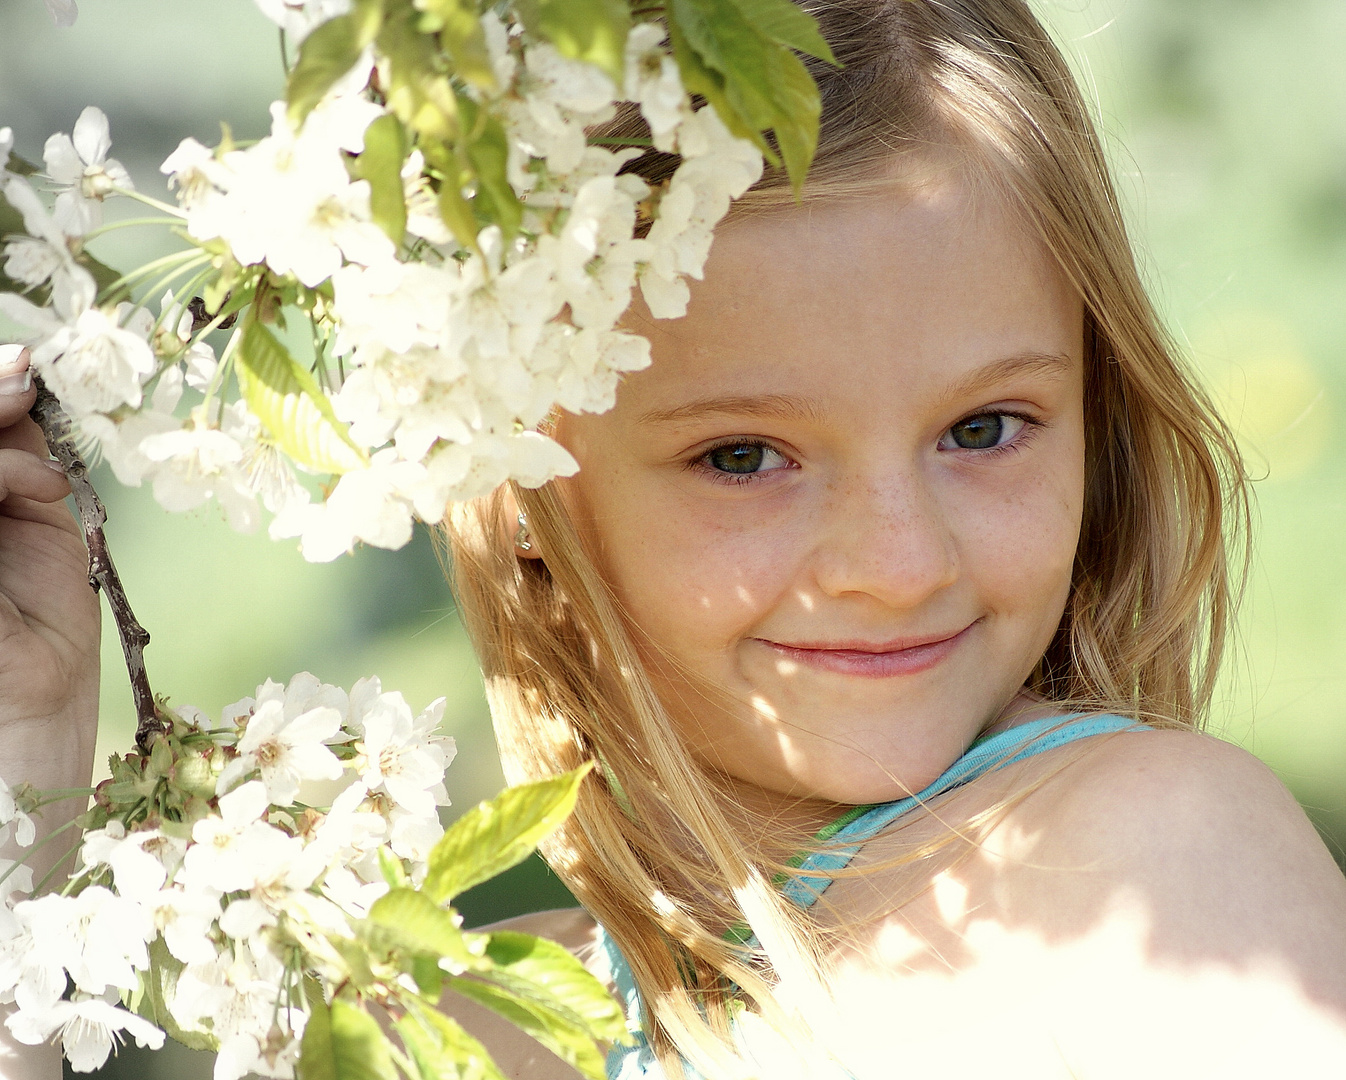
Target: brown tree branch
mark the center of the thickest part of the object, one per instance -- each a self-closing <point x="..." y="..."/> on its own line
<point x="56" y="427"/>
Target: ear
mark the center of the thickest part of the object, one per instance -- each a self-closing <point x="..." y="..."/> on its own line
<point x="516" y="532"/>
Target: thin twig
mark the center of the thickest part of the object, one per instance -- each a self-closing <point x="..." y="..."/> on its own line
<point x="55" y="424"/>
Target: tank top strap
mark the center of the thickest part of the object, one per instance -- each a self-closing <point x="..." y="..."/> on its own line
<point x="815" y="870"/>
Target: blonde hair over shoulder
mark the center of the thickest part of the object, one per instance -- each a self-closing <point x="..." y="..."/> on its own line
<point x="653" y="851"/>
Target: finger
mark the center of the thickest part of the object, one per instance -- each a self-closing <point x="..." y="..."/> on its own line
<point x="17" y="392"/>
<point x="28" y="476"/>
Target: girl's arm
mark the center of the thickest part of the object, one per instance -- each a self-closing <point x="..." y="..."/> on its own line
<point x="49" y="637"/>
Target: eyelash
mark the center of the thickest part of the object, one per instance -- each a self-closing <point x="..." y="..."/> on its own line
<point x="1032" y="425"/>
<point x="718" y="476"/>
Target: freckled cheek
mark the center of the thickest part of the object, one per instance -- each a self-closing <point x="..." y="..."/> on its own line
<point x="693" y="586"/>
<point x="1018" y="543"/>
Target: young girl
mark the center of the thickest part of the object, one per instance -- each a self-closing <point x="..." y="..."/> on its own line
<point x="889" y="601"/>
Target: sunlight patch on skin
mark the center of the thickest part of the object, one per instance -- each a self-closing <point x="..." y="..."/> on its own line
<point x="805" y="600"/>
<point x="786" y="668"/>
<point x="743" y="594"/>
<point x="1043" y="1011"/>
<point x="950" y="898"/>
<point x="763" y="708"/>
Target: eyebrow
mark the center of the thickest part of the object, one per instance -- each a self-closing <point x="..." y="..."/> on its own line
<point x="763" y="406"/>
<point x="792" y="407"/>
<point x="1050" y="365"/>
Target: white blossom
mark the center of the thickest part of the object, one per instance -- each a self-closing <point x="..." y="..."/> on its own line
<point x="12" y="818"/>
<point x="652" y="81"/>
<point x="298" y="18"/>
<point x="198" y="462"/>
<point x="84" y="172"/>
<point x="402" y="756"/>
<point x="88" y="1028"/>
<point x="63" y="12"/>
<point x="285" y="750"/>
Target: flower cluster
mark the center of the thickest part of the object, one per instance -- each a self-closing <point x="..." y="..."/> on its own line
<point x="445" y="333"/>
<point x="211" y="879"/>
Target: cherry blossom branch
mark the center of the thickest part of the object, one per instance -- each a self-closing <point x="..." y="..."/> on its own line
<point x="56" y="427"/>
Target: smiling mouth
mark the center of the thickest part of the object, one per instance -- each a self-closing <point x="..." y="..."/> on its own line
<point x="871" y="660"/>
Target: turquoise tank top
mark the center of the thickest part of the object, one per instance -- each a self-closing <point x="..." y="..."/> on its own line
<point x="814" y="871"/>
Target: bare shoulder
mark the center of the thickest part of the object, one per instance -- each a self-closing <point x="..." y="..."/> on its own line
<point x="1205" y="839"/>
<point x="517" y="1055"/>
<point x="573" y="928"/>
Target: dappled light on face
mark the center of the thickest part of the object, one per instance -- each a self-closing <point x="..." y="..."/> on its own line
<point x="763" y="708"/>
<point x="805" y="600"/>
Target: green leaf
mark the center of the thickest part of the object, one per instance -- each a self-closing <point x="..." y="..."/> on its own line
<point x="290" y="405"/>
<point x="360" y="1049"/>
<point x="556" y="978"/>
<point x="441" y="1049"/>
<point x="418" y="90"/>
<point x="461" y="35"/>
<point x="749" y="75"/>
<point x="488" y="153"/>
<point x="409" y="920"/>
<point x="700" y="79"/>
<point x="553" y="1029"/>
<point x="327" y="54"/>
<point x="798" y="113"/>
<point x="495" y="835"/>
<point x="160" y="987"/>
<point x="787" y="23"/>
<point x="590" y="30"/>
<point x="381" y="165"/>
<point x="317" y="1057"/>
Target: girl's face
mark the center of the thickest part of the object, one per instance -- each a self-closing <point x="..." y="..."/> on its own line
<point x="841" y="508"/>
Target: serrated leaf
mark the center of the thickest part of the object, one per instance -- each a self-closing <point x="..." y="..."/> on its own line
<point x="590" y="30"/>
<point x="160" y="985"/>
<point x="360" y="1049"/>
<point x="327" y="54"/>
<point x="709" y="84"/>
<point x="317" y="1058"/>
<point x="787" y="23"/>
<point x="409" y="920"/>
<point x="381" y="165"/>
<point x="757" y="82"/>
<point x="290" y="405"/>
<point x="441" y="1049"/>
<point x="557" y="978"/>
<point x="554" y="1030"/>
<point x="798" y="112"/>
<point x="459" y="27"/>
<point x="495" y="835"/>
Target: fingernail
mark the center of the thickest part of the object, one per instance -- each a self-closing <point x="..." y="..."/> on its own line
<point x="13" y="358"/>
<point x="16" y="384"/>
<point x="54" y="466"/>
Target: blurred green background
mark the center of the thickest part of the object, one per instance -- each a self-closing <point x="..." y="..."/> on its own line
<point x="1226" y="121"/>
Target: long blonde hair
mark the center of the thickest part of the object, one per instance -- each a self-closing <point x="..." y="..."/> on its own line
<point x="654" y="849"/>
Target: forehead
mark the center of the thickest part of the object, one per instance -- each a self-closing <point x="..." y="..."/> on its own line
<point x="916" y="284"/>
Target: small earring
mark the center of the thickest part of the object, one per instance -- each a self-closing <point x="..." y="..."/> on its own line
<point x="522" y="540"/>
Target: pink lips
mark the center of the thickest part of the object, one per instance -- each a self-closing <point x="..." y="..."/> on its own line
<point x="870" y="660"/>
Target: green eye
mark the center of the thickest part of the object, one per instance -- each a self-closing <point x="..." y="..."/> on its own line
<point x="738" y="458"/>
<point x="979" y="432"/>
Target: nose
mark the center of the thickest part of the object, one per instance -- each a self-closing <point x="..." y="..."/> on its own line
<point x="886" y="537"/>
